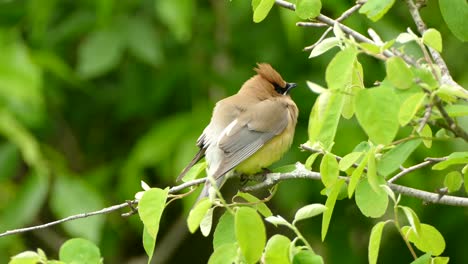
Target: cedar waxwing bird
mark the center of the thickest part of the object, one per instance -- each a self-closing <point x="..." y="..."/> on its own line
<point x="249" y="130"/>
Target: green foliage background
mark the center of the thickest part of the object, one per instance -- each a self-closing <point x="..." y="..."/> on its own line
<point x="98" y="95"/>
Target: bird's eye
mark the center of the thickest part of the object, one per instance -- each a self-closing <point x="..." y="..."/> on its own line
<point x="278" y="88"/>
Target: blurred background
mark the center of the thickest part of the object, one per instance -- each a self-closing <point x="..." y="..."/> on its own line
<point x="96" y="95"/>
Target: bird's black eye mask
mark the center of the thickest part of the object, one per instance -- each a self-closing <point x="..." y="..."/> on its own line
<point x="284" y="90"/>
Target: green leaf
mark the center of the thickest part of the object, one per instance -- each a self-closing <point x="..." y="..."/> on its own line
<point x="149" y="243"/>
<point x="310" y="160"/>
<point x="453" y="181"/>
<point x="14" y="131"/>
<point x="370" y="47"/>
<point x="426" y="78"/>
<point x="277" y="220"/>
<point x="150" y="209"/>
<point x="262" y="9"/>
<point x="142" y="41"/>
<point x="376" y="9"/>
<point x="21" y="91"/>
<point x="379" y="123"/>
<point x="100" y="52"/>
<point x="455" y="13"/>
<point x="226" y="253"/>
<point x="72" y="195"/>
<point x="309" y="211"/>
<point x="197" y="214"/>
<point x="424" y="259"/>
<point x="329" y="170"/>
<point x="426" y="134"/>
<point x="412" y="217"/>
<point x="465" y="177"/>
<point x="453" y="159"/>
<point x="224" y="232"/>
<point x="79" y="250"/>
<point x="330" y="204"/>
<point x="26" y="257"/>
<point x="196" y="170"/>
<point x="398" y="73"/>
<point x="250" y="233"/>
<point x="350" y="91"/>
<point x="261" y="207"/>
<point x="307" y="257"/>
<point x="433" y="39"/>
<point x="371" y="203"/>
<point x="429" y="240"/>
<point x="450" y="92"/>
<point x="27" y="203"/>
<point x="356" y="175"/>
<point x="410" y="107"/>
<point x="277" y="250"/>
<point x="9" y="160"/>
<point x="340" y="69"/>
<point x="372" y="177"/>
<point x="456" y="110"/>
<point x="440" y="260"/>
<point x="392" y="159"/>
<point x="349" y="160"/>
<point x="374" y="242"/>
<point x="207" y="222"/>
<point x="324" y="119"/>
<point x="324" y="46"/>
<point x="307" y="9"/>
<point x="178" y="16"/>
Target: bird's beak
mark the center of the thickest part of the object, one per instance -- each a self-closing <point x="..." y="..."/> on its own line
<point x="289" y="87"/>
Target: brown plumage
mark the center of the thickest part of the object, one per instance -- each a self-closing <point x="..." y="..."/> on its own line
<point x="249" y="130"/>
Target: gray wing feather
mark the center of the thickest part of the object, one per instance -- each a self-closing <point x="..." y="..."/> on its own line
<point x="252" y="131"/>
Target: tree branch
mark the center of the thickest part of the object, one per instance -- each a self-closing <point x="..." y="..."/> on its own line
<point x="446" y="78"/>
<point x="270" y="179"/>
<point x="99" y="212"/>
<point x="302" y="173"/>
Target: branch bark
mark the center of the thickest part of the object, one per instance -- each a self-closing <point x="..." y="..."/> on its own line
<point x="270" y="179"/>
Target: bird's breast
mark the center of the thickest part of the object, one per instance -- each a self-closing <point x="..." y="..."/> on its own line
<point x="271" y="152"/>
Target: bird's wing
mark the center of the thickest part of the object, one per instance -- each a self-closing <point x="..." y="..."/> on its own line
<point x="223" y="114"/>
<point x="249" y="132"/>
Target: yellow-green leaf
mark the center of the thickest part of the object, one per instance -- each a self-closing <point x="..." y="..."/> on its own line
<point x="262" y="9"/>
<point x="250" y="233"/>
<point x="277" y="250"/>
<point x="371" y="203"/>
<point x="374" y="242"/>
<point x="429" y="240"/>
<point x="398" y="73"/>
<point x="307" y="9"/>
<point x="330" y="204"/>
<point x="433" y="39"/>
<point x="410" y="107"/>
<point x="453" y="181"/>
<point x="329" y="169"/>
<point x="197" y="214"/>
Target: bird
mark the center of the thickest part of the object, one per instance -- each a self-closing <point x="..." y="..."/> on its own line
<point x="248" y="131"/>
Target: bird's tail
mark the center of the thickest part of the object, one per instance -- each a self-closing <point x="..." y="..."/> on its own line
<point x="206" y="188"/>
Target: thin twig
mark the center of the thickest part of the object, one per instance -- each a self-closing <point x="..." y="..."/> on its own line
<point x="102" y="211"/>
<point x="343" y="16"/>
<point x="310" y="24"/>
<point x="66" y="219"/>
<point x="423" y="164"/>
<point x="426" y="117"/>
<point x="452" y="126"/>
